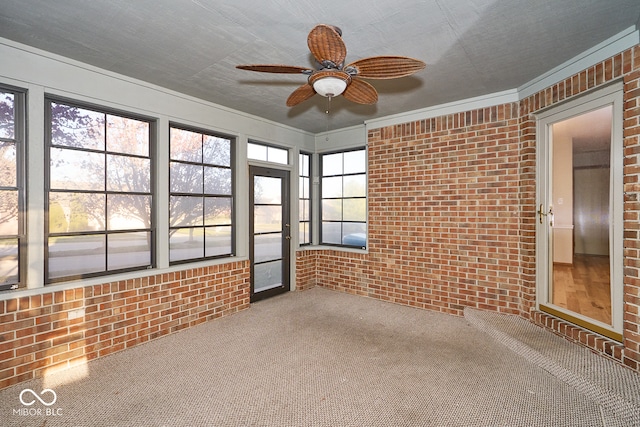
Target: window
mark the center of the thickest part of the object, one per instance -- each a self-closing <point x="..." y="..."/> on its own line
<point x="11" y="186"/>
<point x="267" y="153"/>
<point x="99" y="192"/>
<point x="304" y="198"/>
<point x="344" y="199"/>
<point x="201" y="195"/>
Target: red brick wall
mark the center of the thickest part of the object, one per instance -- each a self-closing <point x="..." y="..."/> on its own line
<point x="37" y="334"/>
<point x="305" y="269"/>
<point x="452" y="212"/>
<point x="444" y="215"/>
<point x="631" y="69"/>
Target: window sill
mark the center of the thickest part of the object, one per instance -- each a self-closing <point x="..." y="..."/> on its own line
<point x="113" y="278"/>
<point x="332" y="248"/>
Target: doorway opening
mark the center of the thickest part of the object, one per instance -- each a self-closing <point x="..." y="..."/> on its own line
<point x="579" y="236"/>
<point x="269" y="232"/>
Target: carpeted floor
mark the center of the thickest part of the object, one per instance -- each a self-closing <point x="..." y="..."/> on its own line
<point x="322" y="358"/>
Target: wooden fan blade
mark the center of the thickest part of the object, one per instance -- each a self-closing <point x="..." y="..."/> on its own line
<point x="386" y="67"/>
<point x="301" y="94"/>
<point x="360" y="92"/>
<point x="325" y="43"/>
<point x="281" y="69"/>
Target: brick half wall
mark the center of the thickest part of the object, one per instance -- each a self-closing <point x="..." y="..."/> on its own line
<point x="60" y="329"/>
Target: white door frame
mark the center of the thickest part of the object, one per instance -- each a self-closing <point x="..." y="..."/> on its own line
<point x="609" y="95"/>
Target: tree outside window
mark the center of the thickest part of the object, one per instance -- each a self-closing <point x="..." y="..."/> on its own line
<point x="99" y="196"/>
<point x="201" y="195"/>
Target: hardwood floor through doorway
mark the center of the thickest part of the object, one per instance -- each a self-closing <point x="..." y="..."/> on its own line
<point x="584" y="287"/>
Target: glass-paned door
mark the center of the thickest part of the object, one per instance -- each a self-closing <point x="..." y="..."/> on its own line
<point x="270" y="232"/>
<point x="578" y="215"/>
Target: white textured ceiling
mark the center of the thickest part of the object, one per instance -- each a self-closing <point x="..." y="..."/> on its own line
<point x="471" y="47"/>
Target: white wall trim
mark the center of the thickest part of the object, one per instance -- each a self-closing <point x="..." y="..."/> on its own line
<point x="349" y="137"/>
<point x="608" y="48"/>
<point x="463" y="105"/>
<point x="23" y="65"/>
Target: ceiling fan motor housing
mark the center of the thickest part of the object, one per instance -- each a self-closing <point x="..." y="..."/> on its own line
<point x="329" y="83"/>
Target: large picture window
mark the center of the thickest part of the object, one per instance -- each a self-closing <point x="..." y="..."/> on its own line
<point x="344" y="198"/>
<point x="12" y="125"/>
<point x="99" y="192"/>
<point x="201" y="195"/>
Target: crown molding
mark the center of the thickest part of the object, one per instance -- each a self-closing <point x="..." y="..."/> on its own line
<point x="607" y="49"/>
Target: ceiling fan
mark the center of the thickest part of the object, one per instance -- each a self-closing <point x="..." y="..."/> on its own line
<point x="333" y="78"/>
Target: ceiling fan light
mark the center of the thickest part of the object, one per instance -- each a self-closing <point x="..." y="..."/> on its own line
<point x="329" y="86"/>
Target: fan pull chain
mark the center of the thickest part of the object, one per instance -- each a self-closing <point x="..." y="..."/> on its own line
<point x="327" y="114"/>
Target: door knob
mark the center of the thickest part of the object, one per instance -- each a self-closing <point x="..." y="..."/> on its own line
<point x="541" y="212"/>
